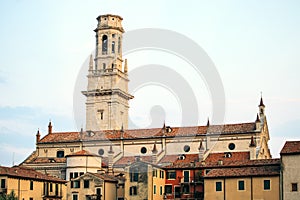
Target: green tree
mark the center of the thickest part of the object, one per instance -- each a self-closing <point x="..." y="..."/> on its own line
<point x="11" y="196"/>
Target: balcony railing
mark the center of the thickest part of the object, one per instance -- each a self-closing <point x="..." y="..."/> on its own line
<point x="182" y="196"/>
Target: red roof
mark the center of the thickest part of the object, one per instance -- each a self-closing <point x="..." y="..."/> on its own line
<point x="273" y="170"/>
<point x="82" y="153"/>
<point x="149" y="133"/>
<point x="291" y="147"/>
<point x="27" y="173"/>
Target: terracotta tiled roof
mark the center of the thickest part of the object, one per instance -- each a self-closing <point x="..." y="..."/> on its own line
<point x="273" y="170"/>
<point x="227" y="158"/>
<point x="149" y="133"/>
<point x="47" y="160"/>
<point x="106" y="177"/>
<point x="27" y="173"/>
<point x="82" y="153"/>
<point x="61" y="137"/>
<point x="291" y="147"/>
<point x="179" y="161"/>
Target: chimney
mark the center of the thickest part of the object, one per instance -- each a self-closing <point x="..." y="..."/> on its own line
<point x="50" y="128"/>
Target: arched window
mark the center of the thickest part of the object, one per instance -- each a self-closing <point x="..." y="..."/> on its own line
<point x="113" y="47"/>
<point x="104" y="44"/>
<point x="119" y="45"/>
<point x="104" y="66"/>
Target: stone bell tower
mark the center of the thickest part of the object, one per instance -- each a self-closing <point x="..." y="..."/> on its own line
<point x="107" y="91"/>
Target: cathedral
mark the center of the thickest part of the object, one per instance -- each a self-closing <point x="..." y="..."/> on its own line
<point x="107" y="143"/>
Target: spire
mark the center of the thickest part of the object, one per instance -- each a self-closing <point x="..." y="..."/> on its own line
<point x="154" y="150"/>
<point x="261" y="102"/>
<point x="50" y="127"/>
<point x="110" y="150"/>
<point x="122" y="128"/>
<point x="125" y="67"/>
<point x="164" y="128"/>
<point x="38" y="136"/>
<point x="201" y="146"/>
<point x="91" y="64"/>
<point x="252" y="142"/>
<point x="208" y="122"/>
<point x="257" y="118"/>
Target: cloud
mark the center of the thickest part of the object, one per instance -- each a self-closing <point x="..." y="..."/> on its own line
<point x="13" y="154"/>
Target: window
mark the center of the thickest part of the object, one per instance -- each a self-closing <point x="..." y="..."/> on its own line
<point x="75" y="174"/>
<point x="218" y="186"/>
<point x="51" y="187"/>
<point x="30" y="198"/>
<point x="75" y="184"/>
<point x="267" y="184"/>
<point x="104" y="44"/>
<point x="98" y="192"/>
<point x="60" y="154"/>
<point x="161" y="174"/>
<point x="104" y="66"/>
<point x="71" y="175"/>
<point x="154" y="173"/>
<point x="186" y="189"/>
<point x="134" y="175"/>
<point x="171" y="175"/>
<point x="56" y="189"/>
<point x="294" y="187"/>
<point x="31" y="185"/>
<point x="143" y="150"/>
<point x="101" y="152"/>
<point x="3" y="183"/>
<point x="186" y="148"/>
<point x="75" y="197"/>
<point x="133" y="190"/>
<point x="231" y="146"/>
<point x="160" y="190"/>
<point x="119" y="45"/>
<point x="154" y="189"/>
<point x="86" y="183"/>
<point x="241" y="185"/>
<point x="168" y="189"/>
<point x="113" y="47"/>
<point x="81" y="173"/>
<point x="186" y="176"/>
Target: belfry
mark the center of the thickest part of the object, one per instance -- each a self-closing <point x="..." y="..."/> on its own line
<point x="107" y="91"/>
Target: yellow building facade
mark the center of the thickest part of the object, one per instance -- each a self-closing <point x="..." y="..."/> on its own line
<point x="30" y="184"/>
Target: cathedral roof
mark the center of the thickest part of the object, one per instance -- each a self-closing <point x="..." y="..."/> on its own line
<point x="149" y="133"/>
<point x="27" y="173"/>
<point x="291" y="147"/>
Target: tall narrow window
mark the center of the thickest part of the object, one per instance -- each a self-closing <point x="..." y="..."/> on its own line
<point x="98" y="192"/>
<point x="267" y="184"/>
<point x="86" y="184"/>
<point x="3" y="183"/>
<point x="56" y="189"/>
<point x="104" y="66"/>
<point x="101" y="115"/>
<point x="113" y="47"/>
<point x="104" y="44"/>
<point x="119" y="45"/>
<point x="75" y="197"/>
<point x="154" y="189"/>
<point x="241" y="185"/>
<point x="294" y="187"/>
<point x="218" y="186"/>
<point x="31" y="185"/>
<point x="160" y="190"/>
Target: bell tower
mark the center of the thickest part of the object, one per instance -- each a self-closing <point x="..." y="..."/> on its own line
<point x="107" y="91"/>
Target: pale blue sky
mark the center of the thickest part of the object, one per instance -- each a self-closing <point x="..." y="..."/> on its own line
<point x="255" y="46"/>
